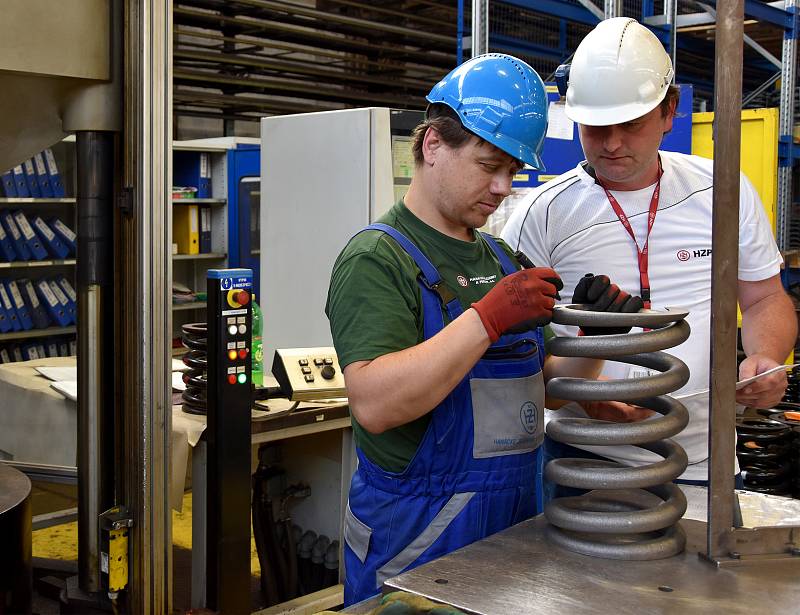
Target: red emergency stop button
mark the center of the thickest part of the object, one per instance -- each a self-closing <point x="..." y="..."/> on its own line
<point x="231" y="378"/>
<point x="243" y="354"/>
<point x="238" y="298"/>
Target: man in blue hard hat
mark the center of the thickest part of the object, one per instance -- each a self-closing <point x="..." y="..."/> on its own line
<point x="439" y="335"/>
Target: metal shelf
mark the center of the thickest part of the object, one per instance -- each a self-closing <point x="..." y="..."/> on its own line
<point x="25" y="264"/>
<point x="19" y="335"/>
<point x="14" y="200"/>
<point x="208" y="255"/>
<point x="195" y="305"/>
<point x="369" y="57"/>
<point x="199" y="201"/>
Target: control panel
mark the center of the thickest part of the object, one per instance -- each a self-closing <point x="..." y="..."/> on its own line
<point x="236" y="322"/>
<point x="308" y="373"/>
<point x="227" y="435"/>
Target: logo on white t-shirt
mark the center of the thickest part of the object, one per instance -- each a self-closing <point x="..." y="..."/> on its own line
<point x="685" y="255"/>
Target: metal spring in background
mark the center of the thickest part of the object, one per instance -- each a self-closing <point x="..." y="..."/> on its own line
<point x="194" y="337"/>
<point x="766" y="453"/>
<point x="630" y="524"/>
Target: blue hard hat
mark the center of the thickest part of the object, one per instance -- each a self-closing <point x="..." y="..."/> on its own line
<point x="501" y="99"/>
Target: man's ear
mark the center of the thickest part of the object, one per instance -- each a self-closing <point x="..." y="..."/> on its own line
<point x="670" y="116"/>
<point x="431" y="145"/>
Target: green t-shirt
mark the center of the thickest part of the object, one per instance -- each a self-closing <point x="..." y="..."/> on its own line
<point x="375" y="307"/>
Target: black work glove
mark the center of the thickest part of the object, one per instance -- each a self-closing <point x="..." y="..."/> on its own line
<point x="598" y="294"/>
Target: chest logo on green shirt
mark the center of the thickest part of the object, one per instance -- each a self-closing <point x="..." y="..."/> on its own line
<point x="482" y="279"/>
<point x="462" y="281"/>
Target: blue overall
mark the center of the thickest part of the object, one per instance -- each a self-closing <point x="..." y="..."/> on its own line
<point x="476" y="470"/>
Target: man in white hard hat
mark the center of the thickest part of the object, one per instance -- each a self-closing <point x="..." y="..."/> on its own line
<point x="643" y="216"/>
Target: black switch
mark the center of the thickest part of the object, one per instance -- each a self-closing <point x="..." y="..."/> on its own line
<point x="303" y="361"/>
<point x="306" y="370"/>
<point x="328" y="372"/>
<point x="309" y="378"/>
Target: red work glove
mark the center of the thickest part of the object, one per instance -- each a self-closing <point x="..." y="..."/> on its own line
<point x="598" y="294"/>
<point x="526" y="296"/>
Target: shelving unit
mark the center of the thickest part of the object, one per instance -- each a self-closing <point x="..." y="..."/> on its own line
<point x="190" y="269"/>
<point x="29" y="201"/>
<point x="178" y="201"/>
<point x="63" y="208"/>
<point x="194" y="305"/>
<point x="207" y="256"/>
<point x="34" y="333"/>
<point x="28" y="264"/>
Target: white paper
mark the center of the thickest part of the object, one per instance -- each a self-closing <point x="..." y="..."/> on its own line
<point x="559" y="126"/>
<point x="743" y="383"/>
<point x="58" y="374"/>
<point x="68" y="389"/>
<point x="177" y="381"/>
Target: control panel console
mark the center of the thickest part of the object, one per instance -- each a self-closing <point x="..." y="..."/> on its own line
<point x="308" y="373"/>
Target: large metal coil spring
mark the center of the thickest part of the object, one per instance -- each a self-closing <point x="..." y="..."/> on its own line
<point x="629" y="512"/>
<point x="194" y="337"/>
<point x="766" y="452"/>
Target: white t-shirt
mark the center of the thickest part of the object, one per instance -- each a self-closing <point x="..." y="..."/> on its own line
<point x="569" y="225"/>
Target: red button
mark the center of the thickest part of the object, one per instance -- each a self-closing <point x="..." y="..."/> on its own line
<point x="242" y="353"/>
<point x="242" y="297"/>
<point x="231" y="379"/>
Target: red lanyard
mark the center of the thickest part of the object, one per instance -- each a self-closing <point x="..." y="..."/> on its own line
<point x="644" y="280"/>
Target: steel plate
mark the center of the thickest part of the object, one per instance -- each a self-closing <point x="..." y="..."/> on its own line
<point x="518" y="571"/>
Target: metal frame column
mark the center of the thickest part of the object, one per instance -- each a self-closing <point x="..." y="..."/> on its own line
<point x="480" y="27"/>
<point x="95" y="273"/>
<point x="728" y="58"/>
<point x="143" y="315"/>
<point x="785" y="125"/>
<point x="612" y="8"/>
<point x="671" y="18"/>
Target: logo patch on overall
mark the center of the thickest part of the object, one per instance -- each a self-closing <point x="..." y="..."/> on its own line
<point x="527" y="416"/>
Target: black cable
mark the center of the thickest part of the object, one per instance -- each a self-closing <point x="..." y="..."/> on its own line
<point x="267" y="581"/>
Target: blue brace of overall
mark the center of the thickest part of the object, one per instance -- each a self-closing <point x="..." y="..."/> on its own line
<point x="476" y="471"/>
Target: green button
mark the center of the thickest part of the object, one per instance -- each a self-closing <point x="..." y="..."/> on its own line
<point x="242" y="378"/>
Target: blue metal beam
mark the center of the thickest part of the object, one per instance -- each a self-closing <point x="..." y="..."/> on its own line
<point x="557" y="8"/>
<point x="762" y="11"/>
<point x="515" y="45"/>
<point x="563" y="10"/>
<point x="460" y="33"/>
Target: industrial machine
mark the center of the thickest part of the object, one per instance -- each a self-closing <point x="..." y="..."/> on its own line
<point x="324" y="177"/>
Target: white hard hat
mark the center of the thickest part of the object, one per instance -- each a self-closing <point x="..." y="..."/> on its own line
<point x="620" y="71"/>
